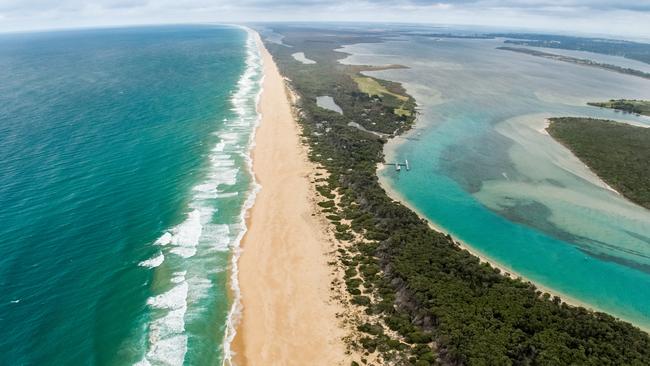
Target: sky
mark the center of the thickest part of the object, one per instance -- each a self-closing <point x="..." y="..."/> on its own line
<point x="627" y="18"/>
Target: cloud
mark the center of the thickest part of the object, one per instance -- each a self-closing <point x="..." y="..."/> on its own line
<point x="40" y="6"/>
<point x="596" y="16"/>
<point x="123" y="4"/>
<point x="540" y="4"/>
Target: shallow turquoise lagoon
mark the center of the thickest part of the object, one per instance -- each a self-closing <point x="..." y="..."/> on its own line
<point x="484" y="170"/>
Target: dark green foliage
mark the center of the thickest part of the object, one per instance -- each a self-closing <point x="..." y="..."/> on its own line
<point x="361" y="300"/>
<point x="325" y="192"/>
<point x="343" y="236"/>
<point x="394" y="344"/>
<point x="350" y="272"/>
<point x="632" y="50"/>
<point x="354" y="291"/>
<point x="354" y="282"/>
<point x="327" y="204"/>
<point x="418" y="337"/>
<point x="369" y="343"/>
<point x="626" y="105"/>
<point x="428" y="356"/>
<point x="369" y="270"/>
<point x="579" y="61"/>
<point x="342" y="227"/>
<point x="371" y="329"/>
<point x="426" y="288"/>
<point x="400" y="323"/>
<point x="617" y="152"/>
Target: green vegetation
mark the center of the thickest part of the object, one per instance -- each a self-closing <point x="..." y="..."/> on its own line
<point x="626" y="105"/>
<point x="372" y="87"/>
<point x="578" y="61"/>
<point x="616" y="47"/>
<point x="617" y="152"/>
<point x="427" y="301"/>
<point x="633" y="50"/>
<point x="402" y="112"/>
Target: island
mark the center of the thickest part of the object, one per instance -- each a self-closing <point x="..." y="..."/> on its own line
<point x="617" y="152"/>
<point x="578" y="61"/>
<point x="615" y="47"/>
<point x="626" y="105"/>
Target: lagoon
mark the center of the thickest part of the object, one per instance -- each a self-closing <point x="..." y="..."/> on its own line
<point x="484" y="170"/>
<point x="300" y="57"/>
<point x="328" y="103"/>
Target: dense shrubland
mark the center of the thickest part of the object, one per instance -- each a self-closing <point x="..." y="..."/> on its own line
<point x="626" y="105"/>
<point x="619" y="153"/>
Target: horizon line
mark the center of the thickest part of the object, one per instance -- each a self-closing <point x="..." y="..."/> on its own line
<point x="525" y="30"/>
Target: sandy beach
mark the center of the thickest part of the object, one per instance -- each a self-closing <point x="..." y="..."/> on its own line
<point x="591" y="176"/>
<point x="288" y="316"/>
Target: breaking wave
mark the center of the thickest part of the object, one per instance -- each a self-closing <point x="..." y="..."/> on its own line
<point x="186" y="249"/>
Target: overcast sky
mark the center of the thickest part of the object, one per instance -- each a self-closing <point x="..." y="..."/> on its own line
<point x="629" y="18"/>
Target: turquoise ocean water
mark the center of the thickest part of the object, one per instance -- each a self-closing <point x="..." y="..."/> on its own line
<point x="484" y="170"/>
<point x="124" y="172"/>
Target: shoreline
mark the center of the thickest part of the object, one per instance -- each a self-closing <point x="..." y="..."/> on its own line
<point x="234" y="314"/>
<point x="390" y="148"/>
<point x="287" y="315"/>
<point x="483" y="258"/>
<point x="596" y="179"/>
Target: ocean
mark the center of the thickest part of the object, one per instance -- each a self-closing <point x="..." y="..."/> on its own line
<point x="484" y="170"/>
<point x="124" y="178"/>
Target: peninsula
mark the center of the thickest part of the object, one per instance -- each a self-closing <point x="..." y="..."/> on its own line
<point x="617" y="152"/>
<point x="416" y="297"/>
<point x="626" y="105"/>
<point x="578" y="61"/>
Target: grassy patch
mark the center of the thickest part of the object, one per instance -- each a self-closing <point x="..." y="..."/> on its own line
<point x="372" y="87"/>
<point x="402" y="112"/>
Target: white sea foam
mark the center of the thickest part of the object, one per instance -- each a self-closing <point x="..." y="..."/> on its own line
<point x="194" y="242"/>
<point x="219" y="146"/>
<point x="172" y="299"/>
<point x="153" y="262"/>
<point x="186" y="236"/>
<point x="199" y="288"/>
<point x="168" y="343"/>
<point x="222" y="161"/>
<point x="178" y="277"/>
<point x="218" y="236"/>
<point x="143" y="362"/>
<point x="247" y="82"/>
<point x="207" y="187"/>
<point x="165" y="239"/>
<point x="231" y="136"/>
<point x="167" y="351"/>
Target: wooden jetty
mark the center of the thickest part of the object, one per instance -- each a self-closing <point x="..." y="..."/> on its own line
<point x="398" y="166"/>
